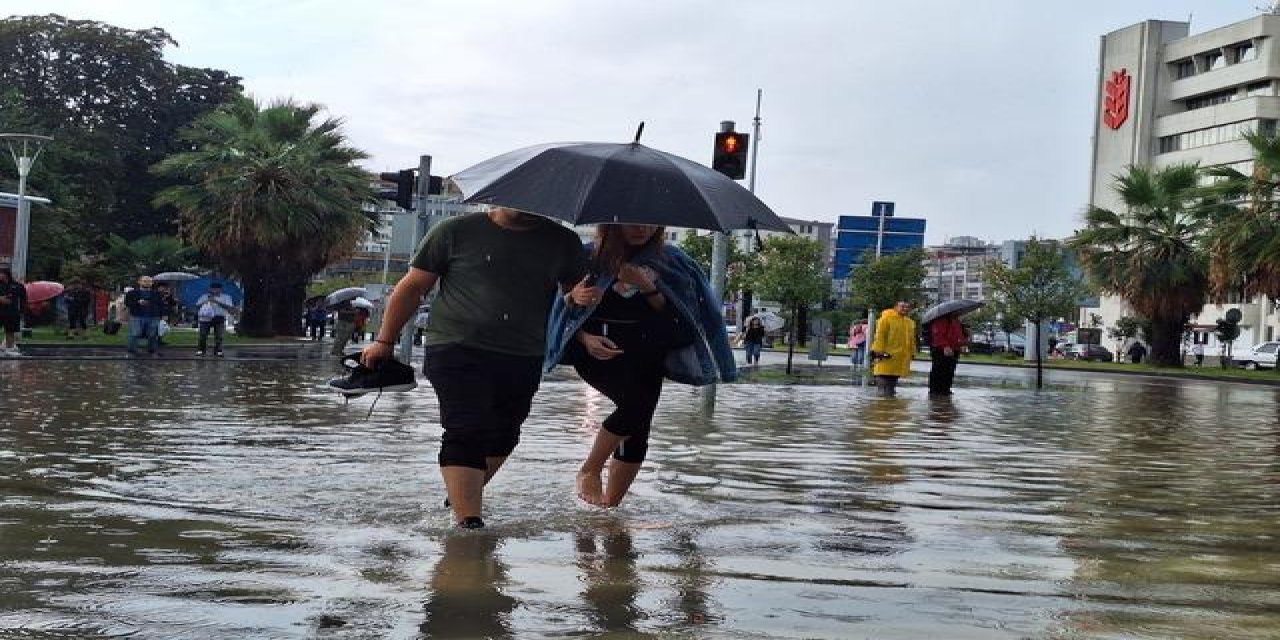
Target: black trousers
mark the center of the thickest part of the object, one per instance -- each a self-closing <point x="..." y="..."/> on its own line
<point x="632" y="381"/>
<point x="77" y="317"/>
<point x="484" y="399"/>
<point x="943" y="371"/>
<point x="218" y="325"/>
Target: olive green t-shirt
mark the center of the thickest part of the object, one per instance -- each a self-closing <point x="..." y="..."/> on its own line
<point x="496" y="284"/>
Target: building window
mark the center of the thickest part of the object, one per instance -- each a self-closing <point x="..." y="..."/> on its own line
<point x="1245" y="52"/>
<point x="1211" y="99"/>
<point x="1214" y="60"/>
<point x="1259" y="89"/>
<point x="1214" y="135"/>
<point x="1184" y="69"/>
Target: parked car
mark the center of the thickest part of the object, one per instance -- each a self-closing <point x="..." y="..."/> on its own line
<point x="1090" y="353"/>
<point x="1260" y="356"/>
<point x="997" y="343"/>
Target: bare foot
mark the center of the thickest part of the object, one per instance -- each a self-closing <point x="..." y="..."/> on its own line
<point x="590" y="488"/>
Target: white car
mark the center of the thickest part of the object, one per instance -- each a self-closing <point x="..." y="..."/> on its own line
<point x="1261" y="356"/>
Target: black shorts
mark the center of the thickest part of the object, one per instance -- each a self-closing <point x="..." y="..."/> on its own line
<point x="10" y="323"/>
<point x="484" y="398"/>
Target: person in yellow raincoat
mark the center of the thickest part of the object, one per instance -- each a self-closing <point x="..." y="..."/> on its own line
<point x="893" y="347"/>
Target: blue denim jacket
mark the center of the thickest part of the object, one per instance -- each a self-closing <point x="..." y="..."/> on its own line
<point x="707" y="361"/>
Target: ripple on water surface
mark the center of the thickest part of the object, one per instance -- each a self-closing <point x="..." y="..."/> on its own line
<point x="239" y="499"/>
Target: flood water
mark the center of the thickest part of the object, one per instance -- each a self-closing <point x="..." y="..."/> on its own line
<point x="202" y="499"/>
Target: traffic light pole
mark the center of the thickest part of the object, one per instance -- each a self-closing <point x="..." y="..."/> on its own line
<point x="404" y="351"/>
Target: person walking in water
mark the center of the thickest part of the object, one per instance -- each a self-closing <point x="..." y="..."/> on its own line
<point x="498" y="273"/>
<point x="893" y="347"/>
<point x="649" y="300"/>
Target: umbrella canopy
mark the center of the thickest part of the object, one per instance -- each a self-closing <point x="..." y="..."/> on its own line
<point x="770" y="320"/>
<point x="595" y="183"/>
<point x="174" y="276"/>
<point x="362" y="303"/>
<point x="41" y="290"/>
<point x="343" y="295"/>
<point x="958" y="307"/>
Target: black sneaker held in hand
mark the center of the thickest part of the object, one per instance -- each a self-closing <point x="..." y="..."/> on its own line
<point x="391" y="375"/>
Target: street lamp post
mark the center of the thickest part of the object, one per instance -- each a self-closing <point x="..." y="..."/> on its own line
<point x="24" y="148"/>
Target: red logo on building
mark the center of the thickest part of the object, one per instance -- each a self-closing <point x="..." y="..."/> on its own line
<point x="1115" y="101"/>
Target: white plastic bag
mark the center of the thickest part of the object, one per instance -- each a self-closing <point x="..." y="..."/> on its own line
<point x="162" y="329"/>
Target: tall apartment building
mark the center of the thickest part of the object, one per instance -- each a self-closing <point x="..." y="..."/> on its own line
<point x="954" y="270"/>
<point x="1167" y="97"/>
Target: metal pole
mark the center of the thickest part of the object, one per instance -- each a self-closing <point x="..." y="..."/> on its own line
<point x="755" y="145"/>
<point x="404" y="351"/>
<point x="23" y="230"/>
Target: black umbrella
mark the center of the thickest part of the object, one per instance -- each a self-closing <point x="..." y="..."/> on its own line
<point x="949" y="307"/>
<point x="595" y="182"/>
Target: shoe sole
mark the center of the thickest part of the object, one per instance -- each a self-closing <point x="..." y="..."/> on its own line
<point x="351" y="393"/>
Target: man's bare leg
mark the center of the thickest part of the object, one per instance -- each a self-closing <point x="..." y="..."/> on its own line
<point x="590" y="487"/>
<point x="465" y="487"/>
<point x="621" y="475"/>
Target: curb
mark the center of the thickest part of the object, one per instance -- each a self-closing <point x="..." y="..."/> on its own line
<point x="1125" y="372"/>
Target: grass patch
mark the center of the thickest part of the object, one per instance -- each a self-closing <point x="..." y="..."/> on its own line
<point x="94" y="337"/>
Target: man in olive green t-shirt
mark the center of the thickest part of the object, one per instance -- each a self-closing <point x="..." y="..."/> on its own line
<point x="498" y="275"/>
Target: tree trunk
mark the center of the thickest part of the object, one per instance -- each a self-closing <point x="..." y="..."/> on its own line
<point x="286" y="308"/>
<point x="1166" y="342"/>
<point x="802" y="325"/>
<point x="255" y="320"/>
<point x="791" y="343"/>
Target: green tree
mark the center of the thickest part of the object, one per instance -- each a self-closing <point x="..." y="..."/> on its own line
<point x="1244" y="224"/>
<point x="1041" y="288"/>
<point x="879" y="283"/>
<point x="124" y="261"/>
<point x="1152" y="254"/>
<point x="792" y="272"/>
<point x="738" y="268"/>
<point x="1126" y="328"/>
<point x="113" y="105"/>
<point x="272" y="196"/>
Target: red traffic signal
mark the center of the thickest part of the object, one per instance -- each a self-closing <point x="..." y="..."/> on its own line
<point x="730" y="155"/>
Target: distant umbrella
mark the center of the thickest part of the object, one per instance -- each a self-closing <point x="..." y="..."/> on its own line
<point x="40" y="291"/>
<point x="174" y="276"/>
<point x="958" y="307"/>
<point x="361" y="303"/>
<point x="770" y="320"/>
<point x="343" y="295"/>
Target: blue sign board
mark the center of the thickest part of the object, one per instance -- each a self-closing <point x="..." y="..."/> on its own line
<point x="882" y="209"/>
<point x="856" y="235"/>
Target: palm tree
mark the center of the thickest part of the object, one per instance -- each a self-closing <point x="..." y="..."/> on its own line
<point x="273" y="197"/>
<point x="1244" y="237"/>
<point x="1152" y="255"/>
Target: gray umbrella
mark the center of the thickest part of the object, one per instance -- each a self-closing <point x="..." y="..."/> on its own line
<point x="174" y="276"/>
<point x="594" y="183"/>
<point x="959" y="307"/>
<point x="343" y="295"/>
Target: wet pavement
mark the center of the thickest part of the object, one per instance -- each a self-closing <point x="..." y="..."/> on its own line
<point x="239" y="499"/>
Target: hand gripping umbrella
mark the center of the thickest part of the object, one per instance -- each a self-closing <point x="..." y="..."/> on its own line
<point x="603" y="183"/>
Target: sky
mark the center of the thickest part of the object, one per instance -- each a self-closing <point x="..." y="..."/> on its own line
<point x="974" y="115"/>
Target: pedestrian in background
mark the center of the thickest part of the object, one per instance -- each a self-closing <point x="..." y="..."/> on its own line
<point x="146" y="308"/>
<point x="13" y="298"/>
<point x="946" y="339"/>
<point x="1197" y="350"/>
<point x="857" y="342"/>
<point x="317" y="317"/>
<point x="1137" y="351"/>
<point x="753" y="340"/>
<point x="212" y="309"/>
<point x="893" y="347"/>
<point x="78" y="298"/>
<point x="344" y="327"/>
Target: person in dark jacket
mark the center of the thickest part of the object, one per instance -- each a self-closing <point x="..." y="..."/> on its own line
<point x="13" y="298"/>
<point x="146" y="308"/>
<point x="78" y="298"/>
<point x="1137" y="352"/>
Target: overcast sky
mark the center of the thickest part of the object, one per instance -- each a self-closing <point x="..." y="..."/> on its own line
<point x="974" y="115"/>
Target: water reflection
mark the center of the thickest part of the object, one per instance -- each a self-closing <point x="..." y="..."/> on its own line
<point x="212" y="500"/>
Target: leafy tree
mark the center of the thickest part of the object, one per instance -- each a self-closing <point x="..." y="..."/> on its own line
<point x="739" y="266"/>
<point x="792" y="273"/>
<point x="879" y="283"/>
<point x="124" y="261"/>
<point x="272" y="195"/>
<point x="1152" y="254"/>
<point x="113" y="105"/>
<point x="1228" y="330"/>
<point x="1126" y="328"/>
<point x="1244" y="224"/>
<point x="1039" y="289"/>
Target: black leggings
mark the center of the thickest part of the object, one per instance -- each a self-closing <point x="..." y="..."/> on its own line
<point x="632" y="381"/>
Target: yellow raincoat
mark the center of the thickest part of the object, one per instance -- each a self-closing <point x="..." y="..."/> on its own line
<point x="895" y="335"/>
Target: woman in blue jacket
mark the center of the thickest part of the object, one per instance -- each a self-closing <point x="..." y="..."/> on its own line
<point x="650" y="316"/>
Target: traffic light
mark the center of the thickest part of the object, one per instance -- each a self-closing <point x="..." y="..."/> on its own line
<point x="730" y="157"/>
<point x="404" y="181"/>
